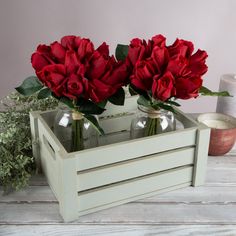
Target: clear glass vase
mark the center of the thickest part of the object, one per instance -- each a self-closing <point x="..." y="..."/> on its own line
<point x="73" y="131"/>
<point x="148" y="122"/>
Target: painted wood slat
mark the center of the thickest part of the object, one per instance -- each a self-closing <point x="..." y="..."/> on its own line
<point x="133" y="148"/>
<point x="118" y="230"/>
<point x="222" y="162"/>
<point x="132" y="190"/>
<point x="134" y="168"/>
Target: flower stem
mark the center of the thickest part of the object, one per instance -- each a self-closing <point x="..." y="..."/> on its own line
<point x="77" y="135"/>
<point x="153" y="126"/>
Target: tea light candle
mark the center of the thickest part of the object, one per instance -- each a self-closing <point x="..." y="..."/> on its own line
<point x="217" y="124"/>
<point x="227" y="105"/>
<point x="223" y="132"/>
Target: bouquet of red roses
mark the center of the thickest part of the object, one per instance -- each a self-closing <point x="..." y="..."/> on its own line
<point x="85" y="78"/>
<point x="80" y="76"/>
<point x="160" y="74"/>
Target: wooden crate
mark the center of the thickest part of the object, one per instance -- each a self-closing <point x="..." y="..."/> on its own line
<point x="120" y="170"/>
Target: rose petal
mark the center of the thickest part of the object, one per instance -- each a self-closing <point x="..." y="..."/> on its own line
<point x="68" y="42"/>
<point x="58" y="51"/>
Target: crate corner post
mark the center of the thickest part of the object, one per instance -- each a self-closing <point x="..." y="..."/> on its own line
<point x="201" y="155"/>
<point x="34" y="115"/>
<point x="68" y="200"/>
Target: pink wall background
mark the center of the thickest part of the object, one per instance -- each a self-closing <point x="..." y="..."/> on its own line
<point x="26" y="23"/>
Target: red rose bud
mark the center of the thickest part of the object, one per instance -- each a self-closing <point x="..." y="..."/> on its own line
<point x="142" y="77"/>
<point x="71" y="62"/>
<point x="69" y="42"/>
<point x="178" y="67"/>
<point x="75" y="86"/>
<point x="85" y="49"/>
<point x="197" y="63"/>
<point x="163" y="87"/>
<point x="99" y="91"/>
<point x="160" y="58"/>
<point x="58" y="51"/>
<point x="42" y="57"/>
<point x="103" y="49"/>
<point x="137" y="51"/>
<point x="53" y="76"/>
<point x="188" y="87"/>
<point x="181" y="48"/>
<point x="105" y="75"/>
<point x="157" y="40"/>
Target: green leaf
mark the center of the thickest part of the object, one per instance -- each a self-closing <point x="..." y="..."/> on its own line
<point x="88" y="107"/>
<point x="102" y="104"/>
<point x="207" y="92"/>
<point x="121" y="52"/>
<point x="140" y="92"/>
<point x="173" y="103"/>
<point x="118" y="98"/>
<point x="29" y="86"/>
<point x="132" y="91"/>
<point x="44" y="93"/>
<point x="166" y="107"/>
<point x="95" y="124"/>
<point x="143" y="101"/>
<point x="66" y="101"/>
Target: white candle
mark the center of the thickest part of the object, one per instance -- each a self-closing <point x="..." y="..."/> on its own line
<point x="218" y="124"/>
<point x="217" y="120"/>
<point x="227" y="105"/>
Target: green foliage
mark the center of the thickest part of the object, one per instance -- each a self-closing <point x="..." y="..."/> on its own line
<point x="118" y="98"/>
<point x="207" y="92"/>
<point x="30" y="86"/>
<point x="16" y="161"/>
<point x="121" y="52"/>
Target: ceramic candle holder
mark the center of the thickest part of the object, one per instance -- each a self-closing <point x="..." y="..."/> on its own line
<point x="223" y="132"/>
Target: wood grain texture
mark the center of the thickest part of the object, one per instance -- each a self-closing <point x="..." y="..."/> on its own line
<point x="134" y="213"/>
<point x="118" y="230"/>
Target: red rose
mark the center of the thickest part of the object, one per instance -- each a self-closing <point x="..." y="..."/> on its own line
<point x="178" y="67"/>
<point x="197" y="63"/>
<point x="103" y="49"/>
<point x="188" y="87"/>
<point x="137" y="51"/>
<point x="75" y="86"/>
<point x="160" y="58"/>
<point x="99" y="91"/>
<point x="85" y="49"/>
<point x="54" y="77"/>
<point x="157" y="40"/>
<point x="72" y="63"/>
<point x="105" y="75"/>
<point x="181" y="48"/>
<point x="140" y="50"/>
<point x="42" y="57"/>
<point x="143" y="74"/>
<point x="70" y="42"/>
<point x="163" y="87"/>
<point x="58" y="51"/>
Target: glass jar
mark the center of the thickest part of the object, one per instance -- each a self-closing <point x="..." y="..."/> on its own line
<point x="74" y="134"/>
<point x="149" y="122"/>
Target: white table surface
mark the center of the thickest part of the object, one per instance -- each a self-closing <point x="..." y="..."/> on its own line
<point x="205" y="210"/>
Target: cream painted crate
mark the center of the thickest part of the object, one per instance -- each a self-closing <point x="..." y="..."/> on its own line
<point x="120" y="170"/>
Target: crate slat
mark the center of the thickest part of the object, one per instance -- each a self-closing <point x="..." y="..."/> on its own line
<point x="117" y="152"/>
<point x="133" y="168"/>
<point x="135" y="188"/>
